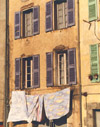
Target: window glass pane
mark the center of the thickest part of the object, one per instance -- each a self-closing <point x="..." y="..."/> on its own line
<point x="61" y="68"/>
<point x="28" y="76"/>
<point x="28" y="69"/>
<point x="28" y="62"/>
<point x="28" y="83"/>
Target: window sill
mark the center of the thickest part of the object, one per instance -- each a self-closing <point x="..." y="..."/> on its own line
<point x="60" y="29"/>
<point x="63" y="86"/>
<point x="27" y="36"/>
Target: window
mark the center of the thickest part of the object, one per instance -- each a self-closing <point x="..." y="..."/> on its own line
<point x="30" y="75"/>
<point x="61" y="13"/>
<point x="64" y="14"/>
<point x="94" y="57"/>
<point x="65" y="64"/>
<point x="62" y="68"/>
<point x="92" y="9"/>
<point x="27" y="22"/>
<point x="27" y="69"/>
<point x="97" y="118"/>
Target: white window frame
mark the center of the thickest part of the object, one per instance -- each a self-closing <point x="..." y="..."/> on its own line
<point x="64" y="68"/>
<point x="64" y="25"/>
<point x="31" y="22"/>
<point x="26" y="73"/>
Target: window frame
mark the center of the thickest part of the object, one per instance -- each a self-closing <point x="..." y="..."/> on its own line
<point x="70" y="80"/>
<point x="21" y="83"/>
<point x="58" y="68"/>
<point x="94" y="116"/>
<point x="56" y="13"/>
<point x="70" y="15"/>
<point x="24" y="66"/>
<point x="23" y="22"/>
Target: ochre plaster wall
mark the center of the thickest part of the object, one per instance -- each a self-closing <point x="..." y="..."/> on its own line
<point x="40" y="44"/>
<point x="2" y="56"/>
<point x="90" y="32"/>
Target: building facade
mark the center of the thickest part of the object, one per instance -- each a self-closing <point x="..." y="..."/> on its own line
<point x="90" y="39"/>
<point x="2" y="58"/>
<point x="44" y="52"/>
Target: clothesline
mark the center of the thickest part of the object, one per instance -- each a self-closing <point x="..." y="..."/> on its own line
<point x="29" y="107"/>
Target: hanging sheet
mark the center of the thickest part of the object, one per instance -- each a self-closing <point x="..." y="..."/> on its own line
<point x="57" y="104"/>
<point x="18" y="109"/>
<point x="25" y="108"/>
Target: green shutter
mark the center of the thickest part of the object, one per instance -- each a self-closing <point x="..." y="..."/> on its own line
<point x="94" y="61"/>
<point x="92" y="9"/>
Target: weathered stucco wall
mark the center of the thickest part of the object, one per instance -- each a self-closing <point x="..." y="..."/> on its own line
<point x="90" y="32"/>
<point x="2" y="56"/>
<point x="40" y="44"/>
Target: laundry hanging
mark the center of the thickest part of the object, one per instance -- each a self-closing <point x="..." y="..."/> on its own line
<point x="25" y="107"/>
<point x="31" y="102"/>
<point x="18" y="109"/>
<point x="34" y="106"/>
<point x="30" y="107"/>
<point x="57" y="104"/>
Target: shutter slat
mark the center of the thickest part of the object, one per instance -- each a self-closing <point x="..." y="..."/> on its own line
<point x="17" y="73"/>
<point x="17" y="25"/>
<point x="48" y="16"/>
<point x="92" y="9"/>
<point x="94" y="52"/>
<point x="72" y="66"/>
<point x="36" y="18"/>
<point x="36" y="71"/>
<point x="71" y="12"/>
<point x="49" y="67"/>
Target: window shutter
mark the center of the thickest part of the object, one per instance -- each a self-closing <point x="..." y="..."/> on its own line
<point x="92" y="9"/>
<point x="71" y="66"/>
<point x="17" y="73"/>
<point x="36" y="18"/>
<point x="71" y="12"/>
<point x="17" y="25"/>
<point x="36" y="71"/>
<point x="94" y="54"/>
<point x="48" y="16"/>
<point x="49" y="67"/>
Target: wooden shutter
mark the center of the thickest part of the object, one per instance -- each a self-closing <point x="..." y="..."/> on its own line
<point x="36" y="71"/>
<point x="94" y="55"/>
<point x="71" y="66"/>
<point x="17" y="73"/>
<point x="48" y="16"/>
<point x="92" y="9"/>
<point x="17" y="25"/>
<point x="49" y="67"/>
<point x="36" y="17"/>
<point x="71" y="12"/>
